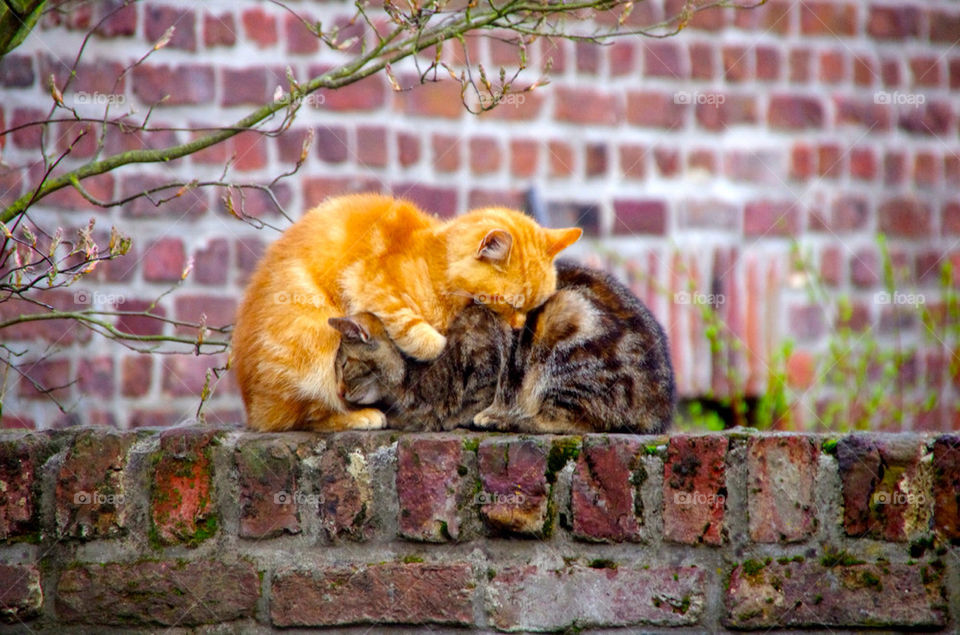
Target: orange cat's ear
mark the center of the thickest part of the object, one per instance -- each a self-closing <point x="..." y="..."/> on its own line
<point x="350" y="329"/>
<point x="560" y="239"/>
<point x="495" y="247"/>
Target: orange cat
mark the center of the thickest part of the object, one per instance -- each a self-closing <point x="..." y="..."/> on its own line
<point x="374" y="253"/>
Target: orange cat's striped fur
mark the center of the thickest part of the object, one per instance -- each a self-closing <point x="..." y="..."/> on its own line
<point x="374" y="253"/>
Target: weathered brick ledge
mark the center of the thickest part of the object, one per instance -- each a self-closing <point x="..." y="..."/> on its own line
<point x="204" y="528"/>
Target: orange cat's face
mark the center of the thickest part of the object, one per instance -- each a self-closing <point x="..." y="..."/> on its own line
<point x="503" y="259"/>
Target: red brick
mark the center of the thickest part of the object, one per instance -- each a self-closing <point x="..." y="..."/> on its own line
<point x="894" y="168"/>
<point x="27" y="138"/>
<point x="160" y="418"/>
<point x="736" y="63"/>
<point x="829" y="19"/>
<point x="435" y="200"/>
<point x="833" y="67"/>
<point x="663" y="59"/>
<point x="141" y="324"/>
<point x="801" y="162"/>
<point x="217" y="311"/>
<point x="771" y="218"/>
<point x="524" y="157"/>
<point x="583" y="106"/>
<point x="702" y="161"/>
<point x="95" y="377"/>
<point x="136" y="375"/>
<point x="115" y="18"/>
<point x="484" y="155"/>
<point x="520" y="106"/>
<point x="300" y="40"/>
<point x="925" y="71"/>
<point x="893" y="22"/>
<point x="561" y="157"/>
<point x="863" y="164"/>
<point x="752" y="166"/>
<point x="347" y="505"/>
<point x="219" y="30"/>
<point x="185" y="375"/>
<point x="260" y="26"/>
<point x="372" y="146"/>
<point x="408" y="149"/>
<point x="245" y="86"/>
<point x="781" y="477"/>
<point x="882" y="486"/>
<point x="595" y="159"/>
<point x="702" y="61"/>
<point x="269" y="497"/>
<point x="926" y="169"/>
<point x="90" y="497"/>
<point x="210" y="262"/>
<point x="185" y="84"/>
<point x="951" y="169"/>
<point x="181" y="497"/>
<point x="806" y="322"/>
<point x="944" y="26"/>
<point x="528" y="599"/>
<point x="768" y="63"/>
<point x="905" y="217"/>
<point x="387" y="593"/>
<point x="850" y="213"/>
<point x="830" y="161"/>
<point x="249" y="149"/>
<point x="177" y="202"/>
<point x="605" y="490"/>
<point x="21" y="594"/>
<point x="194" y="593"/>
<point x="101" y="187"/>
<point x="16" y="71"/>
<point x="514" y="496"/>
<point x="164" y="260"/>
<point x="21" y="457"/>
<point x="694" y="489"/>
<point x="427" y="485"/>
<point x="439" y="99"/>
<point x="951" y="218"/>
<point x="890" y="72"/>
<point x="946" y="484"/>
<point x="621" y="55"/>
<point x="931" y="119"/>
<point x="799" y="62"/>
<point x="771" y="17"/>
<point x="633" y="161"/>
<point x="364" y="95"/>
<point x="588" y="58"/>
<point x="45" y="378"/>
<point x="446" y="153"/>
<point x="640" y="217"/>
<point x="667" y="160"/>
<point x="725" y="110"/>
<point x="513" y="199"/>
<point x="797" y="594"/>
<point x="159" y="18"/>
<point x="331" y="144"/>
<point x="656" y="110"/>
<point x="795" y="112"/>
<point x="709" y="214"/>
<point x="831" y="266"/>
<point x="865" y="70"/>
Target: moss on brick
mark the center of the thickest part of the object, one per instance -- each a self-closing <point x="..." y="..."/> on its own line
<point x="562" y="451"/>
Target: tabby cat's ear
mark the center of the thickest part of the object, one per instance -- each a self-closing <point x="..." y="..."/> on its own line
<point x="560" y="239"/>
<point x="350" y="329"/>
<point x="495" y="247"/>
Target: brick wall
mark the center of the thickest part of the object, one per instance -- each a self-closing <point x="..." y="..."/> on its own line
<point x="198" y="526"/>
<point x="709" y="164"/>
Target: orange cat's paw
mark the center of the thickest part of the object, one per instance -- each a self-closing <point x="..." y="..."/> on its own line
<point x="366" y="419"/>
<point x="422" y="342"/>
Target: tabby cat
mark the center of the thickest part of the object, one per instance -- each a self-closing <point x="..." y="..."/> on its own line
<point x="374" y="253"/>
<point x="592" y="358"/>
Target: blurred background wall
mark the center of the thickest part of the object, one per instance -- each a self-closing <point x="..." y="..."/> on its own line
<point x="737" y="175"/>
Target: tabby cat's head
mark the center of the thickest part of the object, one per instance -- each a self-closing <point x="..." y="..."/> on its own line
<point x="503" y="259"/>
<point x="369" y="365"/>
